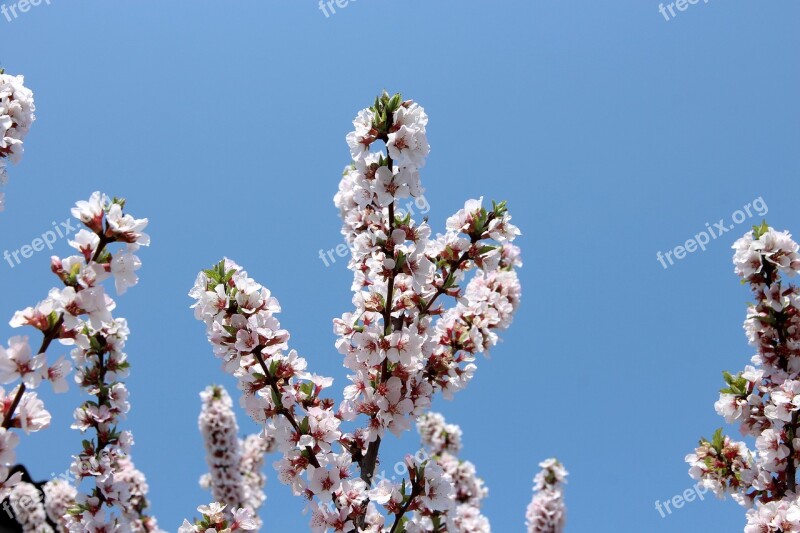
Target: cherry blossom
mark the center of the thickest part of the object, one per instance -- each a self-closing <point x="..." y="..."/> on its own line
<point x="16" y="116"/>
<point x="401" y="343"/>
<point x="443" y="443"/>
<point x="763" y="399"/>
<point x="437" y="435"/>
<point x="29" y="510"/>
<point x="214" y="519"/>
<point x="59" y="496"/>
<point x="546" y="512"/>
<point x="18" y="362"/>
<point x="80" y="315"/>
<point x="220" y="434"/>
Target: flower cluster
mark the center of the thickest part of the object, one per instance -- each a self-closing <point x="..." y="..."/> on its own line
<point x="774" y="517"/>
<point x="79" y="315"/>
<point x="764" y="399"/>
<point x="443" y="441"/>
<point x="59" y="497"/>
<point x="235" y="466"/>
<point x="431" y="498"/>
<point x="546" y="512"/>
<point x="400" y="343"/>
<point x="16" y="116"/>
<point x="29" y="511"/>
<point x="277" y="389"/>
<point x="216" y="519"/>
<point x="251" y="467"/>
<point x="24" y="410"/>
<point x="723" y="465"/>
<point x="437" y="435"/>
<point x="219" y="429"/>
<point x="136" y="503"/>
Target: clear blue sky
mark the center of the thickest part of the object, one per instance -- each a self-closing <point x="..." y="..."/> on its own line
<point x="613" y="133"/>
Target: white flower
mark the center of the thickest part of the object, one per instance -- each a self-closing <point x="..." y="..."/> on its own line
<point x="17" y="362"/>
<point x="360" y="139"/>
<point x="57" y="374"/>
<point x="213" y="512"/>
<point x="187" y="527"/>
<point x="124" y="266"/>
<point x="97" y="304"/>
<point x="408" y="146"/>
<point x="438" y="492"/>
<point x="126" y="228"/>
<point x="771" y="450"/>
<point x="323" y="482"/>
<point x="385" y="492"/>
<point x="86" y="243"/>
<point x="90" y="212"/>
<point x="8" y="442"/>
<point x="244" y="519"/>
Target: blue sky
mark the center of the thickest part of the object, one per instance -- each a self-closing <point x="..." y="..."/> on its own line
<point x="613" y="133"/>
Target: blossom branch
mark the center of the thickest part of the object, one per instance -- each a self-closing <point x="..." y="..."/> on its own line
<point x="764" y="398"/>
<point x="16" y="116"/>
<point x="396" y="354"/>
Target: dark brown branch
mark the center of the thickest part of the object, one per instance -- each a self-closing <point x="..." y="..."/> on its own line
<point x="416" y="490"/>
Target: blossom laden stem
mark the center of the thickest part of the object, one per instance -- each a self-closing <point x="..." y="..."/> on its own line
<point x="370" y="459"/>
<point x="764" y="399"/>
<point x="546" y="512"/>
<point x="16" y="117"/>
<point x="52" y="333"/>
<point x="397" y="355"/>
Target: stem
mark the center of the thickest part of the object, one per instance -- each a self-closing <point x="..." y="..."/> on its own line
<point x="102" y="399"/>
<point x="370" y="460"/>
<point x="14" y="405"/>
<point x="387" y="311"/>
<point x="453" y="266"/>
<point x="102" y="396"/>
<point x="101" y="246"/>
<point x="415" y="491"/>
<point x="48" y="338"/>
<point x="441" y="290"/>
